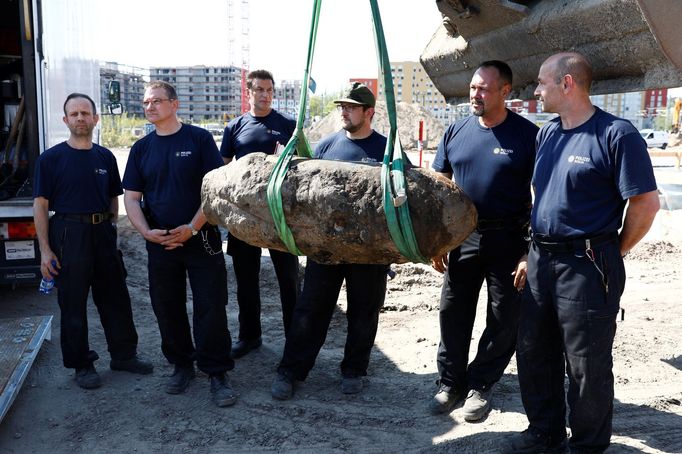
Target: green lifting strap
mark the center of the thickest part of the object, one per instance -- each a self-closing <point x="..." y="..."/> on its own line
<point x="393" y="181"/>
<point x="297" y="143"/>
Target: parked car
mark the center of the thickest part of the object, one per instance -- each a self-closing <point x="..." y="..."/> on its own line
<point x="655" y="139"/>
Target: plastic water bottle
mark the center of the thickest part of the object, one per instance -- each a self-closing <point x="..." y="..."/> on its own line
<point x="46" y="285"/>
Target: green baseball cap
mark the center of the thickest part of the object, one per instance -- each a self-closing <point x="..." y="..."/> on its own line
<point x="357" y="93"/>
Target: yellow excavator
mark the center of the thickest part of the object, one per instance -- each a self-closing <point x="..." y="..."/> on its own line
<point x="676" y="116"/>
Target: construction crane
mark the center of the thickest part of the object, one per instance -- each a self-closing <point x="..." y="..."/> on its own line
<point x="244" y="17"/>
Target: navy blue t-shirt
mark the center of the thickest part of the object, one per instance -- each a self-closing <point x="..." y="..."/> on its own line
<point x="77" y="181"/>
<point x="249" y="134"/>
<point x="339" y="147"/>
<point x="168" y="171"/>
<point x="493" y="166"/>
<point x="583" y="176"/>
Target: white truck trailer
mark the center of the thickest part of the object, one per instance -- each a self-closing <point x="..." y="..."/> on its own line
<point x="45" y="54"/>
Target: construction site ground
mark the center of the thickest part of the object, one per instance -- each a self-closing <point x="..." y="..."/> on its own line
<point x="132" y="413"/>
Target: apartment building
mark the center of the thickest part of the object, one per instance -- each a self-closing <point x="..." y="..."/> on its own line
<point x="411" y="84"/>
<point x="206" y="93"/>
<point x="644" y="109"/>
<point x="287" y="97"/>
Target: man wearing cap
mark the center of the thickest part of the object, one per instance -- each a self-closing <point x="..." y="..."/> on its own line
<point x="365" y="284"/>
<point x="261" y="129"/>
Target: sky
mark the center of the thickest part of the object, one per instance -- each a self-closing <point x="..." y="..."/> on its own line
<point x="176" y="32"/>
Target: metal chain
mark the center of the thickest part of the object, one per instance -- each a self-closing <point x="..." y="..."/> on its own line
<point x="207" y="245"/>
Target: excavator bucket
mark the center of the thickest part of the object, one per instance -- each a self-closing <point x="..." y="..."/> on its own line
<point x="632" y="44"/>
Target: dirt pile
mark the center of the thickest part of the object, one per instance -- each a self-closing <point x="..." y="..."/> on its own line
<point x="408" y="125"/>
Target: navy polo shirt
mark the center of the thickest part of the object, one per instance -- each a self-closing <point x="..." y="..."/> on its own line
<point x="339" y="147"/>
<point x="493" y="166"/>
<point x="583" y="176"/>
<point x="77" y="181"/>
<point x="249" y="134"/>
<point x="168" y="170"/>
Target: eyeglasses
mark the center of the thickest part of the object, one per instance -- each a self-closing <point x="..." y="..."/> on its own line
<point x="347" y="108"/>
<point x="261" y="91"/>
<point x="154" y="102"/>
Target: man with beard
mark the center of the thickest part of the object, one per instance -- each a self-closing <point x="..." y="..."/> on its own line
<point x="490" y="154"/>
<point x="365" y="284"/>
<point x="79" y="181"/>
<point x="166" y="167"/>
<point x="261" y="129"/>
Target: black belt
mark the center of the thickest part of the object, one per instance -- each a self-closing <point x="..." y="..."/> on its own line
<point x="500" y="224"/>
<point x="579" y="245"/>
<point x="92" y="218"/>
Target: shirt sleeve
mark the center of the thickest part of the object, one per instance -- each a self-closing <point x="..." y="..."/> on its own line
<point x="634" y="173"/>
<point x="209" y="152"/>
<point x="226" y="147"/>
<point x="43" y="179"/>
<point x="115" y="188"/>
<point x="132" y="178"/>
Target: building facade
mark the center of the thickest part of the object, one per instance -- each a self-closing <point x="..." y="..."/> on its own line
<point x="206" y="93"/>
<point x="372" y="84"/>
<point x="287" y="97"/>
<point x="644" y="109"/>
<point x="411" y="84"/>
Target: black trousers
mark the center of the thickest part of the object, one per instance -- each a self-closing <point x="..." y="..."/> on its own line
<point x="568" y="323"/>
<point x="366" y="291"/>
<point x="491" y="256"/>
<point x="246" y="263"/>
<point x="90" y="259"/>
<point x="201" y="260"/>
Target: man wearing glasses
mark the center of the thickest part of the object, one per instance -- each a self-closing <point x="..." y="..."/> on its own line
<point x="261" y="129"/>
<point x="167" y="167"/>
<point x="365" y="284"/>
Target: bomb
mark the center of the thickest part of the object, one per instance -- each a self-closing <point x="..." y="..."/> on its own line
<point x="334" y="209"/>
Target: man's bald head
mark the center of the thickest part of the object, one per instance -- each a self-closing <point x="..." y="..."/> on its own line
<point x="571" y="63"/>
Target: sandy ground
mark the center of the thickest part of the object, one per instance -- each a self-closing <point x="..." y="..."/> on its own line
<point x="132" y="413"/>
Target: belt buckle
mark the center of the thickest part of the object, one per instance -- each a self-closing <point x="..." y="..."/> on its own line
<point x="97" y="218"/>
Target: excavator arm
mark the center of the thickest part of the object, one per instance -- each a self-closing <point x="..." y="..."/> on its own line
<point x="632" y="44"/>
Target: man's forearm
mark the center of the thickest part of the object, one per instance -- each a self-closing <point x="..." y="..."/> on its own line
<point x="41" y="220"/>
<point x="639" y="216"/>
<point x="136" y="216"/>
<point x="113" y="209"/>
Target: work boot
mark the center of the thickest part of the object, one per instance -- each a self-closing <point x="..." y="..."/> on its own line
<point x="351" y="385"/>
<point x="530" y="441"/>
<point x="243" y="347"/>
<point x="222" y="393"/>
<point x="477" y="404"/>
<point x="134" y="365"/>
<point x="88" y="378"/>
<point x="444" y="400"/>
<point x="282" y="387"/>
<point x="179" y="381"/>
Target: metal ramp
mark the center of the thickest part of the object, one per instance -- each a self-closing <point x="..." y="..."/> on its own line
<point x="20" y="341"/>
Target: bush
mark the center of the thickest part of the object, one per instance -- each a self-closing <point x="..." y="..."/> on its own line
<point x="117" y="130"/>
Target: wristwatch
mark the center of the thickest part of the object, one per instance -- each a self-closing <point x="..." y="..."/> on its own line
<point x="191" y="227"/>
